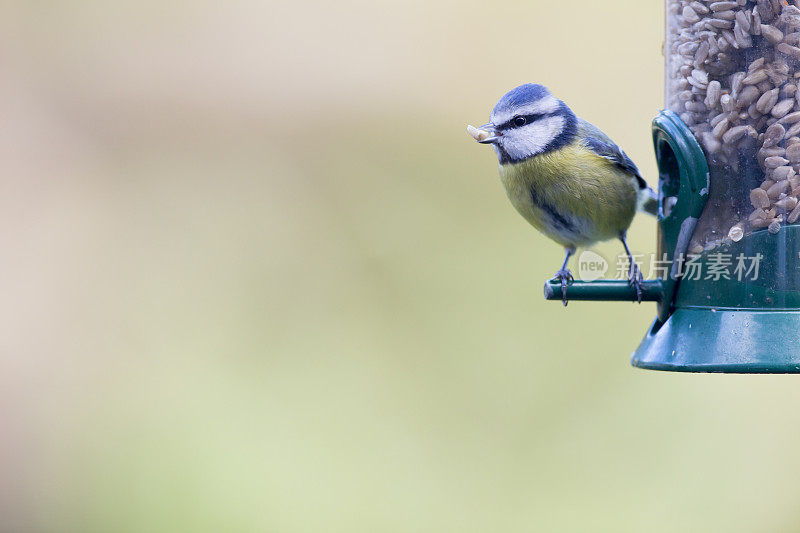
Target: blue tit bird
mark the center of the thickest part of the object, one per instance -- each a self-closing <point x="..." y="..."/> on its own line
<point x="564" y="175"/>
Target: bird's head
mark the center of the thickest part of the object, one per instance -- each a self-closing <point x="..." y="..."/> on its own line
<point x="526" y="122"/>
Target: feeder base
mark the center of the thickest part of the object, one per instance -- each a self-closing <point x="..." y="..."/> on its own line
<point x="739" y="341"/>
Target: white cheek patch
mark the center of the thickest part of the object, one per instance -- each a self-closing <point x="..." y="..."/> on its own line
<point x="530" y="140"/>
<point x="548" y="104"/>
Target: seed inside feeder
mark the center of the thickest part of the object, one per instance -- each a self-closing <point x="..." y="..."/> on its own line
<point x="733" y="70"/>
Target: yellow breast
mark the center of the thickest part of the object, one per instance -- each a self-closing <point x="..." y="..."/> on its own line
<point x="572" y="195"/>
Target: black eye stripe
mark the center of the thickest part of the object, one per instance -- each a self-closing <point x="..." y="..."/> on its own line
<point x="509" y="124"/>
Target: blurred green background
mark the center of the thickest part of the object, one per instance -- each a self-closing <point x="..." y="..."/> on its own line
<point x="256" y="277"/>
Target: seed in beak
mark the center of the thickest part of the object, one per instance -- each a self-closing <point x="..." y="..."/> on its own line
<point x="478" y="134"/>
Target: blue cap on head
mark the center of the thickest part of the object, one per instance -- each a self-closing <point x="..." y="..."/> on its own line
<point x="524" y="94"/>
<point x="529" y="121"/>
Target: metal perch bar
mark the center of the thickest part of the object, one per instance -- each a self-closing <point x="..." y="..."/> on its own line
<point x="604" y="291"/>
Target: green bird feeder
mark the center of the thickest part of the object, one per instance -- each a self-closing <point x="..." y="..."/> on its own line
<point x="728" y="152"/>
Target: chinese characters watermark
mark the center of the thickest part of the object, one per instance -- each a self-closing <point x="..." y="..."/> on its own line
<point x="716" y="266"/>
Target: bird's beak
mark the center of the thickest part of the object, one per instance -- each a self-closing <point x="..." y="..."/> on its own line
<point x="495" y="135"/>
<point x="486" y="134"/>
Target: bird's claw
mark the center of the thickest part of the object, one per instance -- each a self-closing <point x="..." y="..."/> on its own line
<point x="565" y="277"/>
<point x="636" y="281"/>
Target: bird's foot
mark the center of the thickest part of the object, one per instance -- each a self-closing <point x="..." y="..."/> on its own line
<point x="565" y="277"/>
<point x="636" y="280"/>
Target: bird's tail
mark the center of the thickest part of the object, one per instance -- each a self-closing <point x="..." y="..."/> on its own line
<point x="648" y="201"/>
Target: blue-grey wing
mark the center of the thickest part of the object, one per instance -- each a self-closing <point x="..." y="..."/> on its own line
<point x="602" y="145"/>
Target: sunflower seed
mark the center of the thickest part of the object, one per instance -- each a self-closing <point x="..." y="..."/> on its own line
<point x="748" y="95"/>
<point x="759" y="198"/>
<point x="712" y="94"/>
<point x="723" y="6"/>
<point x="793" y="153"/>
<point x="794" y="215"/>
<point x="743" y="18"/>
<point x="789" y="50"/>
<point x="782" y="107"/>
<point x="792" y="131"/>
<point x="720" y="129"/>
<point x="774" y="135"/>
<point x="787" y="203"/>
<point x="783" y="173"/>
<point x="690" y="15"/>
<point x="755" y="77"/>
<point x="720" y="23"/>
<point x="699" y="7"/>
<point x="772" y="34"/>
<point x="790" y="16"/>
<point x="778" y="189"/>
<point x="767" y="101"/>
<point x="775" y="161"/>
<point x="734" y="134"/>
<point x="736" y="232"/>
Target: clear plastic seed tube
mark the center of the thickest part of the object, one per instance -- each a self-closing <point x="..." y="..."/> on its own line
<point x="732" y="75"/>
